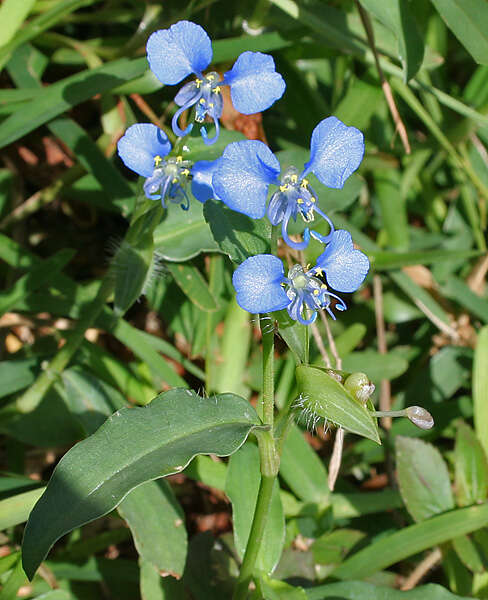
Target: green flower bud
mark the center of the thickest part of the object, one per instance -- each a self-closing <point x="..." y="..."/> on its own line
<point x="359" y="386"/>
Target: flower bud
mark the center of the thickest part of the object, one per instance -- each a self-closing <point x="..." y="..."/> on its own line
<point x="359" y="386"/>
<point x="420" y="417"/>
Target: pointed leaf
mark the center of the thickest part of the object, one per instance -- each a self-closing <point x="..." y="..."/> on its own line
<point x="330" y="400"/>
<point x="133" y="446"/>
<point x="470" y="467"/>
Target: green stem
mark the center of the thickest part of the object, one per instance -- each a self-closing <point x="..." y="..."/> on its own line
<point x="33" y="396"/>
<point x="269" y="465"/>
<point x="260" y="11"/>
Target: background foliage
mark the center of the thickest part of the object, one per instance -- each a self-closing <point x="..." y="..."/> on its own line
<point x="413" y="76"/>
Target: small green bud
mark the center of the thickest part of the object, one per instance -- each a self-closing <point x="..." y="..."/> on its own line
<point x="359" y="386"/>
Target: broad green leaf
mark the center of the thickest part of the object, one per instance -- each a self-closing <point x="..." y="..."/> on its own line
<point x="193" y="285"/>
<point x="361" y="590"/>
<point x="17" y="374"/>
<point x="470" y="467"/>
<point x="133" y="446"/>
<point x="467" y="20"/>
<point x="237" y="235"/>
<point x="347" y="506"/>
<point x="393" y="548"/>
<point x="376" y="366"/>
<point x="423" y="478"/>
<point x="242" y="485"/>
<point x="396" y="16"/>
<point x="157" y="524"/>
<point x="325" y="397"/>
<point x="303" y="471"/>
<point x="183" y="234"/>
<point x="15" y="580"/>
<point x="12" y="15"/>
<point x="480" y="388"/>
<point x="89" y="398"/>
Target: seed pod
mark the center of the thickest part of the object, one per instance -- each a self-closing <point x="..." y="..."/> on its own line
<point x="420" y="417"/>
<point x="359" y="386"/>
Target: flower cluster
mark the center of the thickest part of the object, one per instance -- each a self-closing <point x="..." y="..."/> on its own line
<point x="242" y="178"/>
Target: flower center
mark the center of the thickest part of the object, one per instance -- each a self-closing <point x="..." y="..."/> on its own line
<point x="298" y="193"/>
<point x="210" y="102"/>
<point x="168" y="178"/>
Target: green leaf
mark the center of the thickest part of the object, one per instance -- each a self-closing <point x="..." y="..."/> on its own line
<point x="331" y="548"/>
<point x="376" y="366"/>
<point x="183" y="234"/>
<point x="16" y="509"/>
<point x="33" y="280"/>
<point x="468" y="553"/>
<point x="242" y="485"/>
<point x="274" y="589"/>
<point x="237" y="235"/>
<point x="470" y="467"/>
<point x="12" y="15"/>
<point x="423" y="478"/>
<point x="59" y="97"/>
<point x="294" y="335"/>
<point x="383" y="261"/>
<point x="480" y="388"/>
<point x="134" y="445"/>
<point x="193" y="285"/>
<point x="467" y="20"/>
<point x="396" y="16"/>
<point x="329" y="399"/>
<point x="456" y="289"/>
<point x="361" y="590"/>
<point x="303" y="471"/>
<point x="17" y="374"/>
<point x="157" y="524"/>
<point x="89" y="398"/>
<point x="393" y="548"/>
<point x="155" y="587"/>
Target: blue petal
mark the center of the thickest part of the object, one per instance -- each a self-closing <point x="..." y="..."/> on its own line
<point x="140" y="144"/>
<point x="242" y="181"/>
<point x="187" y="93"/>
<point x="345" y="268"/>
<point x="201" y="185"/>
<point x="176" y="52"/>
<point x="336" y="151"/>
<point x="257" y="283"/>
<point x="254" y="83"/>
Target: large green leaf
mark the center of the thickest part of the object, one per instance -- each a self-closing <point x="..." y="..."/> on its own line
<point x="324" y="396"/>
<point x="480" y="388"/>
<point x="242" y="485"/>
<point x="133" y="446"/>
<point x="467" y="19"/>
<point x="423" y="478"/>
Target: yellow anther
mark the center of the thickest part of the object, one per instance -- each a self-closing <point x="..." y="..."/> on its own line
<point x="210" y="77"/>
<point x="294" y="178"/>
<point x="198" y="82"/>
<point x="319" y="271"/>
<point x="323" y="286"/>
<point x="284" y="187"/>
<point x="157" y="160"/>
<point x="300" y="201"/>
<point x="313" y="200"/>
<point x="179" y="159"/>
<point x="202" y="100"/>
<point x="304" y="182"/>
<point x="185" y="172"/>
<point x="316" y="292"/>
<point x="307" y="267"/>
<point x="216" y="89"/>
<point x="211" y="104"/>
<point x="175" y="180"/>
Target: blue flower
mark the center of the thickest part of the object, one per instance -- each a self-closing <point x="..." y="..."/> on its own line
<point x="248" y="168"/>
<point x="261" y="285"/>
<point x="144" y="149"/>
<point x="186" y="49"/>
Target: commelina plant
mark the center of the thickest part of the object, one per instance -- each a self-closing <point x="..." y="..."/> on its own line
<point x="248" y="179"/>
